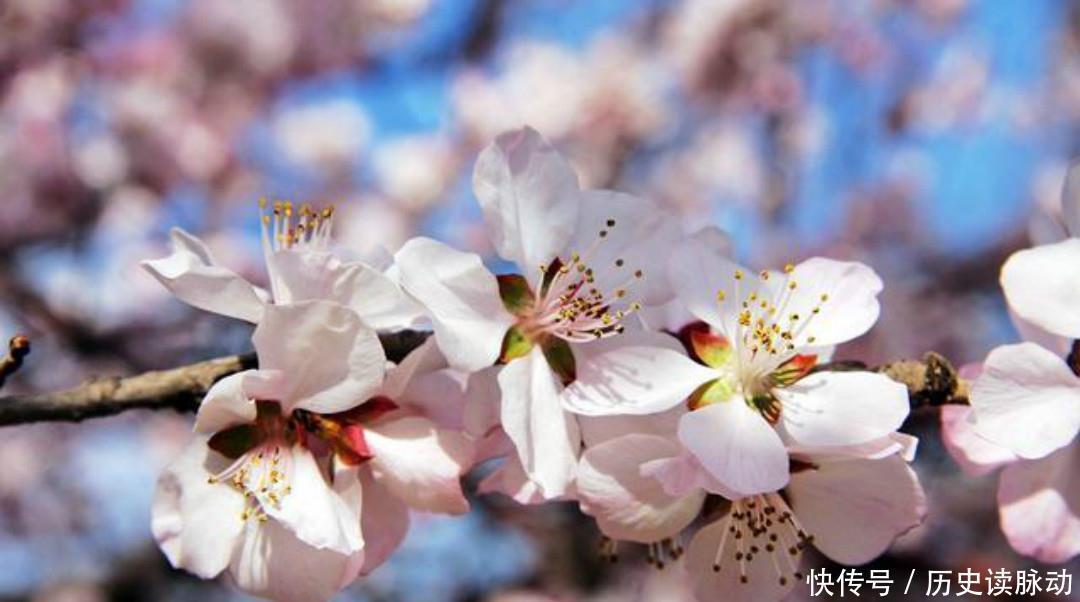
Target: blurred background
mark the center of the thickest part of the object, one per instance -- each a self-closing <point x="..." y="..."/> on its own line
<point x="928" y="138"/>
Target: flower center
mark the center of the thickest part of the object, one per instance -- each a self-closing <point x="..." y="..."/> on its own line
<point x="262" y="451"/>
<point x="260" y="471"/>
<point x="311" y="230"/>
<point x="659" y="553"/>
<point x="754" y="382"/>
<point x="758" y="526"/>
<point x="570" y="304"/>
<point x="262" y="477"/>
<point x="766" y="330"/>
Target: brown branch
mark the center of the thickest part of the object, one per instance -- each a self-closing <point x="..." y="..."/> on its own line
<point x="931" y="381"/>
<point x="179" y="389"/>
<point x="18" y="349"/>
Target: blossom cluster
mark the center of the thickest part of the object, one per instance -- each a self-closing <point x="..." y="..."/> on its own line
<point x="684" y="401"/>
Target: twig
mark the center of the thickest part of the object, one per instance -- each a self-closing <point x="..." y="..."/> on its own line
<point x="931" y="381"/>
<point x="18" y="349"/>
<point x="179" y="389"/>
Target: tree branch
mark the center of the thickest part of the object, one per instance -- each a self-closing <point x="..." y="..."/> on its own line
<point x="180" y="389"/>
<point x="931" y="381"/>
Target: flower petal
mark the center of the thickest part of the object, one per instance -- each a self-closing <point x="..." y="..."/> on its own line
<point x="196" y="523"/>
<point x="425" y="358"/>
<point x="273" y="563"/>
<point x="683" y="474"/>
<point x="510" y="480"/>
<point x="529" y="198"/>
<point x="842" y="408"/>
<point x="1042" y="285"/>
<point x="226" y="405"/>
<point x="301" y="275"/>
<point x="423" y="384"/>
<point x="462" y="299"/>
<point x="850" y="306"/>
<point x="441" y="396"/>
<point x="1026" y="400"/>
<point x="385" y="522"/>
<point x="626" y="505"/>
<point x="329" y="359"/>
<point x="1040" y="506"/>
<point x="856" y="508"/>
<point x="975" y="455"/>
<point x="894" y="443"/>
<point x="546" y="437"/>
<point x="191" y="274"/>
<point x="762" y="583"/>
<point x="633" y="376"/>
<point x="699" y="269"/>
<point x="671" y="316"/>
<point x="482" y="403"/>
<point x="736" y="446"/>
<point x="1033" y="334"/>
<point x="598" y="429"/>
<point x="642" y="237"/>
<point x="322" y="516"/>
<point x="420" y="464"/>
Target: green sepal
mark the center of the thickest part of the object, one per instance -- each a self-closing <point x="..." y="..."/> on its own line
<point x="235" y="441"/>
<point x="560" y="357"/>
<point x="714" y="391"/>
<point x="515" y="293"/>
<point x="515" y="345"/>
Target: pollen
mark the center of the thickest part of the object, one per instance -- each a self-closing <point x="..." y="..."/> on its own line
<point x="286" y="228"/>
<point x="761" y="529"/>
<point x="579" y="300"/>
<point x="664" y="551"/>
<point x="262" y="483"/>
